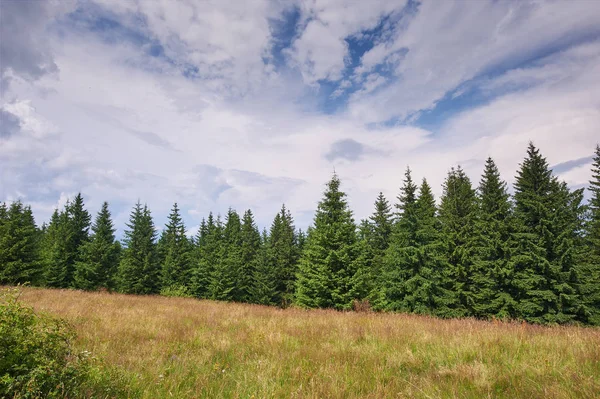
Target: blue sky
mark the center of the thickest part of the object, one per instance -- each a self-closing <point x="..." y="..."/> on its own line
<point x="222" y="104"/>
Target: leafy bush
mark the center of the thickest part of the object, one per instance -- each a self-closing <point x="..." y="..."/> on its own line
<point x="36" y="356"/>
<point x="177" y="291"/>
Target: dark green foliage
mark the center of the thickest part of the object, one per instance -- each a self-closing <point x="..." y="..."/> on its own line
<point x="283" y="252"/>
<point x="535" y="257"/>
<point x="264" y="288"/>
<point x="374" y="239"/>
<point x="67" y="232"/>
<point x="589" y="270"/>
<point x="548" y="216"/>
<point x="139" y="270"/>
<point x="224" y="274"/>
<point x="250" y="253"/>
<point x="176" y="250"/>
<point x="413" y="262"/>
<point x="327" y="265"/>
<point x="19" y="239"/>
<point x="492" y="274"/>
<point x="209" y="241"/>
<point x="55" y="250"/>
<point x="80" y="221"/>
<point x="99" y="257"/>
<point x="458" y="214"/>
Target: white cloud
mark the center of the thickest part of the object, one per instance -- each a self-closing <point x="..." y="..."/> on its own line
<point x="447" y="43"/>
<point x="120" y="125"/>
<point x="320" y="51"/>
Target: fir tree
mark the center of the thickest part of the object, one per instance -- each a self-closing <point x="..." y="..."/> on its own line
<point x="589" y="287"/>
<point x="376" y="237"/>
<point x="409" y="277"/>
<point x="56" y="250"/>
<point x="139" y="271"/>
<point x="364" y="282"/>
<point x="546" y="215"/>
<point x="176" y="268"/>
<point x="326" y="267"/>
<point x="19" y="256"/>
<point x="99" y="258"/>
<point x="458" y="213"/>
<point x="250" y="251"/>
<point x="223" y="278"/>
<point x="208" y="248"/>
<point x="492" y="273"/>
<point x="283" y="254"/>
<point x="79" y="221"/>
<point x="264" y="287"/>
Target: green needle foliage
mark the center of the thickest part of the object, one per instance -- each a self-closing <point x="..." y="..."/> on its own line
<point x="327" y="265"/>
<point x="99" y="257"/>
<point x="139" y="270"/>
<point x="484" y="253"/>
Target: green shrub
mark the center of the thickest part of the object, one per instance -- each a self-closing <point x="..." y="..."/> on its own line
<point x="176" y="291"/>
<point x="36" y="356"/>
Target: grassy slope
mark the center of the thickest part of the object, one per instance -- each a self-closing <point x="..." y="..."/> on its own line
<point x="174" y="347"/>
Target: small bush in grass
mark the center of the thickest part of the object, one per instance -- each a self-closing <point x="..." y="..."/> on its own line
<point x="180" y="291"/>
<point x="36" y="356"/>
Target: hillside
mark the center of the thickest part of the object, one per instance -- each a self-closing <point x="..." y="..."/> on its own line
<point x="185" y="348"/>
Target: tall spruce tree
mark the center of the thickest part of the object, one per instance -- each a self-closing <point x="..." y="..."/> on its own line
<point x="458" y="215"/>
<point x="492" y="274"/>
<point x="283" y="254"/>
<point x="99" y="257"/>
<point x="139" y="270"/>
<point x="326" y="267"/>
<point x="397" y="268"/>
<point x="250" y="252"/>
<point x="224" y="275"/>
<point x="375" y="240"/>
<point x="589" y="287"/>
<point x="413" y="261"/>
<point x="19" y="256"/>
<point x="176" y="269"/>
<point x="264" y="284"/>
<point x="209" y="243"/>
<point x="547" y="216"/>
<point x="56" y="249"/>
<point x="79" y="222"/>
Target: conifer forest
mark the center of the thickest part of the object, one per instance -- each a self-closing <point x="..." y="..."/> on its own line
<point x="485" y="250"/>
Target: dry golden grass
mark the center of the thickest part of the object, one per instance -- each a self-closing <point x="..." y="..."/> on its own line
<point x="185" y="348"/>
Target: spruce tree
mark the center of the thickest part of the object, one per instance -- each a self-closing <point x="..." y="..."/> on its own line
<point x="492" y="274"/>
<point x="99" y="257"/>
<point x="589" y="287"/>
<point x="264" y="285"/>
<point x="458" y="214"/>
<point x="224" y="275"/>
<point x="283" y="254"/>
<point x="250" y="252"/>
<point x="547" y="215"/>
<point x="56" y="245"/>
<point x="139" y="271"/>
<point x="364" y="283"/>
<point x="209" y="243"/>
<point x="19" y="256"/>
<point x="326" y="267"/>
<point x="176" y="267"/>
<point x="79" y="222"/>
<point x="375" y="240"/>
<point x="413" y="262"/>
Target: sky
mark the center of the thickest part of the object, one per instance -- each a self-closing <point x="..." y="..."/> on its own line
<point x="252" y="104"/>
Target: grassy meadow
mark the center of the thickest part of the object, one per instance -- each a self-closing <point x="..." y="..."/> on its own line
<point x="163" y="347"/>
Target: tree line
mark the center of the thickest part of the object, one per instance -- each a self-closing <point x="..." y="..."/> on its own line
<point x="482" y="252"/>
